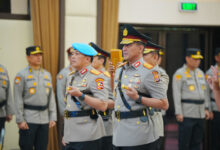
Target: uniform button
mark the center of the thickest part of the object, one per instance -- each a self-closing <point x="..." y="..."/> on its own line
<point x="138" y="122"/>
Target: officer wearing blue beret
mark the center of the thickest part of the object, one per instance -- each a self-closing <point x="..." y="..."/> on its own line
<point x="35" y="102"/>
<point x="86" y="93"/>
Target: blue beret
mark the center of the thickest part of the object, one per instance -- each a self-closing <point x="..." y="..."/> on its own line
<point x="84" y="49"/>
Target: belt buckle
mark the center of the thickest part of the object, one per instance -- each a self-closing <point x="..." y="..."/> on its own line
<point x="117" y="114"/>
<point x="66" y="114"/>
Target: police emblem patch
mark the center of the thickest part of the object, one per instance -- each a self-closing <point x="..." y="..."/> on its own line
<point x="156" y="76"/>
<point x="17" y="80"/>
<point x="99" y="83"/>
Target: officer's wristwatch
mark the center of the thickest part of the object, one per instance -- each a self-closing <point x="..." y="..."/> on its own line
<point x="82" y="97"/>
<point x="139" y="99"/>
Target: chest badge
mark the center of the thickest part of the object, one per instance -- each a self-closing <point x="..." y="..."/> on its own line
<point x="17" y="80"/>
<point x="137" y="64"/>
<point x="32" y="91"/>
<point x="191" y="87"/>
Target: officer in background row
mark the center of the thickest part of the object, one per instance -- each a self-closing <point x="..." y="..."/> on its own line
<point x="61" y="90"/>
<point x="191" y="101"/>
<point x="98" y="63"/>
<point x="62" y="83"/>
<point x="6" y="103"/>
<point x="135" y="83"/>
<point x="35" y="102"/>
<point x="86" y="93"/>
<point x="151" y="55"/>
<point x="215" y="113"/>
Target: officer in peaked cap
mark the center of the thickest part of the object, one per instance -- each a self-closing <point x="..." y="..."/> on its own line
<point x="86" y="93"/>
<point x="62" y="82"/>
<point x="35" y="102"/>
<point x="137" y="87"/>
<point x="191" y="101"/>
<point x="152" y="54"/>
<point x="215" y="113"/>
<point x="98" y="63"/>
<point x="61" y="88"/>
<point x="6" y="102"/>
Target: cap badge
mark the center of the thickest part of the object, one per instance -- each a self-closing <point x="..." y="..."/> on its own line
<point x="125" y="32"/>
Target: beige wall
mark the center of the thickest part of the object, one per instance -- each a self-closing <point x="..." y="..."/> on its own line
<point x="80" y="22"/>
<point x="15" y="36"/>
<point x="166" y="12"/>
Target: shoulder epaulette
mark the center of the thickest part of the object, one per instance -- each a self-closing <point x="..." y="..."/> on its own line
<point x="147" y="65"/>
<point x="107" y="74"/>
<point x="95" y="72"/>
<point x="71" y="73"/>
<point x="124" y="63"/>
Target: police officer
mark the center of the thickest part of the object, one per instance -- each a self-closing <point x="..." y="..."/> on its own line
<point x="191" y="101"/>
<point x="135" y="83"/>
<point x="98" y="63"/>
<point x="35" y="102"/>
<point x="152" y="55"/>
<point x="6" y="103"/>
<point x="83" y="127"/>
<point x="61" y="90"/>
<point x="62" y="83"/>
<point x="215" y="114"/>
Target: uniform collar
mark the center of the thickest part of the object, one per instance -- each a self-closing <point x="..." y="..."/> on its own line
<point x="102" y="70"/>
<point x="84" y="70"/>
<point x="30" y="70"/>
<point x="136" y="64"/>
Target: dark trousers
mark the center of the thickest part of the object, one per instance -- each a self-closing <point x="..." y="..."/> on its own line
<point x="88" y="145"/>
<point x="2" y="125"/>
<point x="215" y="131"/>
<point x="150" y="146"/>
<point x="106" y="143"/>
<point x="191" y="134"/>
<point x="35" y="137"/>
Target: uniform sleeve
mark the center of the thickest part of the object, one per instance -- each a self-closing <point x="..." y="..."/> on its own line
<point x="10" y="104"/>
<point x="154" y="85"/>
<point x="61" y="90"/>
<point x="52" y="105"/>
<point x="18" y="97"/>
<point x="98" y="88"/>
<point x="165" y="80"/>
<point x="208" y="91"/>
<point x="108" y="86"/>
<point x="177" y="84"/>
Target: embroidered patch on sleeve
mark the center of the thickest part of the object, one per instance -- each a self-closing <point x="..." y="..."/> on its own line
<point x="99" y="83"/>
<point x="156" y="76"/>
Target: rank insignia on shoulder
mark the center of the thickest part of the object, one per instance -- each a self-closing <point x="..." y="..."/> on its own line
<point x="95" y="72"/>
<point x="1" y="69"/>
<point x="46" y="77"/>
<point x="83" y="71"/>
<point x="107" y="74"/>
<point x="156" y="76"/>
<point x="178" y="77"/>
<point x="60" y="76"/>
<point x="147" y="65"/>
<point x="99" y="83"/>
<point x="17" y="80"/>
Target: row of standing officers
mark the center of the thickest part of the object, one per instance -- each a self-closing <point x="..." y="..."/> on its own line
<point x="97" y="116"/>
